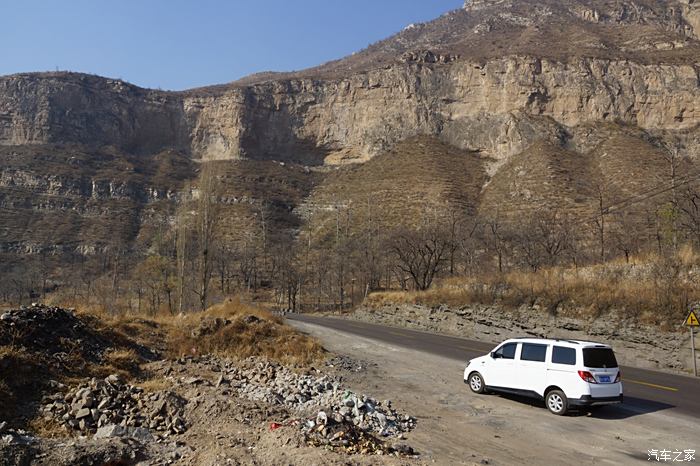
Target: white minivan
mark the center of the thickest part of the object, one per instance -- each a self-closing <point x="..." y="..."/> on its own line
<point x="564" y="373"/>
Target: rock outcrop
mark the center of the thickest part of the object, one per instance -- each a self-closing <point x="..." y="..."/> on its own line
<point x="418" y="82"/>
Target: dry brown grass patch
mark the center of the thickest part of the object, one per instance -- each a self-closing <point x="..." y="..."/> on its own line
<point x="155" y="385"/>
<point x="124" y="362"/>
<point x="47" y="427"/>
<point x="238" y="330"/>
<point x="650" y="290"/>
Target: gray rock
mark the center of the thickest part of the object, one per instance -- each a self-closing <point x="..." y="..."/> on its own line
<point x="109" y="431"/>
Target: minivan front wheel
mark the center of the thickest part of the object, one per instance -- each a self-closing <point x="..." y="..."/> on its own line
<point x="556" y="402"/>
<point x="476" y="383"/>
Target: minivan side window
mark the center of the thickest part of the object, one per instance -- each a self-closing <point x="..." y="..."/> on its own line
<point x="533" y="352"/>
<point x="506" y="351"/>
<point x="562" y="355"/>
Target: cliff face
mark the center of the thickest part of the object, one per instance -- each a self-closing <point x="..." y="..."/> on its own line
<point x="71" y="108"/>
<point x="357" y="118"/>
<point x="331" y="121"/>
<point x="494" y="78"/>
<point x="425" y="80"/>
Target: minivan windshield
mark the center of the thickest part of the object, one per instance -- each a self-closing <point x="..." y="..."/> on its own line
<point x="599" y="358"/>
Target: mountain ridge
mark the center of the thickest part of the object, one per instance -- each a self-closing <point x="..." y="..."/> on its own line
<point x="502" y="81"/>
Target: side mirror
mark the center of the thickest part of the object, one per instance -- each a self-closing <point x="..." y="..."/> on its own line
<point x="494" y="355"/>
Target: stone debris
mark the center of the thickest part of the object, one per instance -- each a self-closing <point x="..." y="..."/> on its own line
<point x="345" y="363"/>
<point x="349" y="438"/>
<point x="113" y="408"/>
<point x="314" y="404"/>
<point x="326" y="414"/>
<point x="14" y="436"/>
<point x="48" y="327"/>
<point x="315" y="395"/>
<point x="108" y="419"/>
<point x="112" y="430"/>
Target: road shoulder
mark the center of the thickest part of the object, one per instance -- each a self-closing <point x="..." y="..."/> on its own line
<point x="458" y="427"/>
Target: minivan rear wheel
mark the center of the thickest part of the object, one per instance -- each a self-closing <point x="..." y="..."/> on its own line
<point x="476" y="383"/>
<point x="556" y="402"/>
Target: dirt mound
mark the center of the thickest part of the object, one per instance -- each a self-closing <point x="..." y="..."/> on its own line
<point x="238" y="330"/>
<point x="53" y="332"/>
<point x="42" y="345"/>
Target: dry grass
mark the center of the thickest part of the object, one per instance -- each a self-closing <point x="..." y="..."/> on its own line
<point x="155" y="385"/>
<point x="262" y="335"/>
<point x="242" y="331"/>
<point x="47" y="427"/>
<point x="649" y="290"/>
<point x="124" y="362"/>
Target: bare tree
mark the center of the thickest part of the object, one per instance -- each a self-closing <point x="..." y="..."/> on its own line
<point x="182" y="240"/>
<point x="207" y="221"/>
<point x="625" y="236"/>
<point x="672" y="157"/>
<point x="421" y="254"/>
<point x="467" y="244"/>
<point x="689" y="213"/>
<point x="600" y="221"/>
<point x="496" y="238"/>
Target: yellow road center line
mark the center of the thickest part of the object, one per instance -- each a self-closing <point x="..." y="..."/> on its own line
<point x="652" y="385"/>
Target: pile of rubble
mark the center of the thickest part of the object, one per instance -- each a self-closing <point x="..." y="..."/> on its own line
<point x="52" y="331"/>
<point x="322" y="395"/>
<point x="117" y="408"/>
<point x="62" y="340"/>
<point x="349" y="438"/>
<point x="344" y="363"/>
<point x="327" y="415"/>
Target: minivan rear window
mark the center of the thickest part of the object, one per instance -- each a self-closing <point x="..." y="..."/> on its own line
<point x="599" y="358"/>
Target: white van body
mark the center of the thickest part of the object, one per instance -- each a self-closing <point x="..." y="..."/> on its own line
<point x="564" y="373"/>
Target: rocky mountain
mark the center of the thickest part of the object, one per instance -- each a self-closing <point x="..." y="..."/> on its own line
<point x="536" y="100"/>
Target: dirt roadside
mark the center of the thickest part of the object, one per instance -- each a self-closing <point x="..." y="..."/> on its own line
<point x="458" y="427"/>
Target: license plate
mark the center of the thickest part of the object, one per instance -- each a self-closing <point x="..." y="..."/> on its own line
<point x="604" y="379"/>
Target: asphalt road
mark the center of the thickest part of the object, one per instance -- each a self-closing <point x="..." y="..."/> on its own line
<point x="645" y="390"/>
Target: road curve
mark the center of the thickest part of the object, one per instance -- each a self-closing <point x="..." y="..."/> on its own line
<point x="645" y="390"/>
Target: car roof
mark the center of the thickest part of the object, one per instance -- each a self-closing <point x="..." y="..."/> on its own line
<point x="558" y="341"/>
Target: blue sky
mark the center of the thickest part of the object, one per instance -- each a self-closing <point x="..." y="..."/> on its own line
<point x="178" y="44"/>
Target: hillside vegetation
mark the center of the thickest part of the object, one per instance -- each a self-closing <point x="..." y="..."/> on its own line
<point x="649" y="289"/>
